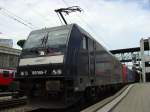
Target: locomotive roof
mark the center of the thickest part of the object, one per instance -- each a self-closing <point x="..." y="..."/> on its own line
<point x="54" y="28"/>
<point x="69" y="26"/>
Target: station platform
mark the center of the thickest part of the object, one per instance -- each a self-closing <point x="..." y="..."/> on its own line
<point x="134" y="98"/>
<point x="137" y="100"/>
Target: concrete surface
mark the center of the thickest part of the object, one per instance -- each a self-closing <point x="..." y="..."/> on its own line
<point x="114" y="102"/>
<point x="137" y="100"/>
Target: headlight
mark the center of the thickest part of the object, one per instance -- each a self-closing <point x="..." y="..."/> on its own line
<point x="22" y="73"/>
<point x="59" y="71"/>
<point x="54" y="72"/>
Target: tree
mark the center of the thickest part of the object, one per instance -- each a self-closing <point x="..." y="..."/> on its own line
<point x="21" y="43"/>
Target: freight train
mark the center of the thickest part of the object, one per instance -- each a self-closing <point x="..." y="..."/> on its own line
<point x="61" y="65"/>
<point x="6" y="78"/>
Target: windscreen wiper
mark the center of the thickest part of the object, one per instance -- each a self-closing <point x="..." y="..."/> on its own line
<point x="44" y="40"/>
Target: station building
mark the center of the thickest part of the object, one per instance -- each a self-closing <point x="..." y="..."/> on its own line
<point x="8" y="57"/>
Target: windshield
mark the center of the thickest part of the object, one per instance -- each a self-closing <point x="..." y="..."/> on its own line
<point x="57" y="40"/>
<point x="54" y="40"/>
<point x="34" y="40"/>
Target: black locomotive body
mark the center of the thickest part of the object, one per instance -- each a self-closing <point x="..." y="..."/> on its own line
<point x="63" y="64"/>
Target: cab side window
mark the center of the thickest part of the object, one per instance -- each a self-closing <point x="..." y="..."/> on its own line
<point x="84" y="43"/>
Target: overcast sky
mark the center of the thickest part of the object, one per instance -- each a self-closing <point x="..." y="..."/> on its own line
<point x="115" y="24"/>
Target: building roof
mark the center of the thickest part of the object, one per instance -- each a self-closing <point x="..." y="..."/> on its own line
<point x="8" y="50"/>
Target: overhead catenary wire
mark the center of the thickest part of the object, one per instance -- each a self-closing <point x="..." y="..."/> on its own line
<point x="67" y="11"/>
<point x="67" y="5"/>
<point x="92" y="29"/>
<point x="42" y="16"/>
<point x="88" y="25"/>
<point x="16" y="18"/>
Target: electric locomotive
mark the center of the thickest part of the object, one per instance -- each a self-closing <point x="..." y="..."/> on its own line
<point x="61" y="65"/>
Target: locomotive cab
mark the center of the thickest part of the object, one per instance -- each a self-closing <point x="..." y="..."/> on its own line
<point x="47" y="64"/>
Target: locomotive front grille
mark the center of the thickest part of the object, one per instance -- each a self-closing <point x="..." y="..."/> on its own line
<point x="53" y="85"/>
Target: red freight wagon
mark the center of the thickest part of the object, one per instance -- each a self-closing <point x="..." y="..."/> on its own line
<point x="6" y="76"/>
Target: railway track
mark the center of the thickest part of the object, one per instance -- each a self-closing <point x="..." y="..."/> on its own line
<point x="7" y="95"/>
<point x="22" y="105"/>
<point x="6" y="104"/>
